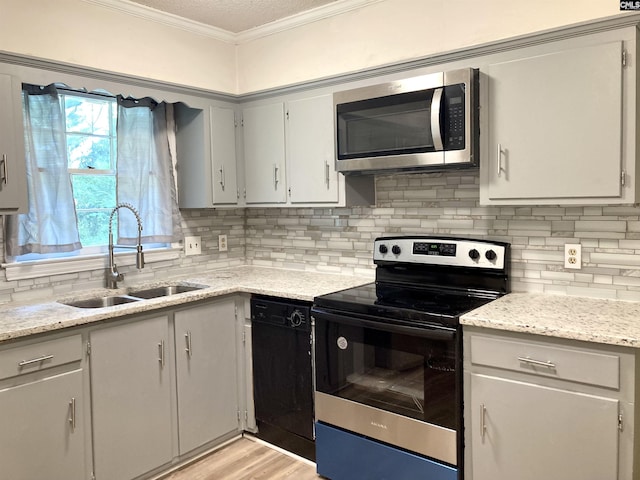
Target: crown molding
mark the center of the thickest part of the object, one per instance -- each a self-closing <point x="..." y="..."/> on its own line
<point x="303" y="18"/>
<point x="164" y="18"/>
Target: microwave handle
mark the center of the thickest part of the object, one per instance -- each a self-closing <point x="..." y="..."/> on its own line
<point x="436" y="131"/>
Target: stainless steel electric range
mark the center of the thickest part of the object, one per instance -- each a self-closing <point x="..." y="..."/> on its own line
<point x="388" y="359"/>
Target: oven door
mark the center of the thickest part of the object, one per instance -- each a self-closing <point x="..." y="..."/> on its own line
<point x="398" y="384"/>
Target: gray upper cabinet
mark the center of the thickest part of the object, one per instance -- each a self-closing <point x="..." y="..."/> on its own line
<point x="206" y="156"/>
<point x="310" y="151"/>
<point x="264" y="153"/>
<point x="131" y="398"/>
<point x="13" y="177"/>
<point x="296" y="134"/>
<point x="561" y="125"/>
<point x="223" y="155"/>
<point x="206" y="373"/>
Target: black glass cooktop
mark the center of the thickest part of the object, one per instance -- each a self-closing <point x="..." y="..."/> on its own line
<point x="403" y="303"/>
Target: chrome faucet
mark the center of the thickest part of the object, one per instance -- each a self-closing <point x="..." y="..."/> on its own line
<point x="113" y="276"/>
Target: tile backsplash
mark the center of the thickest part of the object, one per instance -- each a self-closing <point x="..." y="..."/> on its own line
<point x="447" y="203"/>
<point x="340" y="240"/>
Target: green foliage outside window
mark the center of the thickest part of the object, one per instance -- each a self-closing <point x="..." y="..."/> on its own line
<point x="91" y="150"/>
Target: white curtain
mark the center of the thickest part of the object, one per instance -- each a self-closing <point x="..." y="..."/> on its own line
<point x="51" y="224"/>
<point x="145" y="174"/>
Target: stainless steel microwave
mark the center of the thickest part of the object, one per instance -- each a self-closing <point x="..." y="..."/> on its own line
<point x="426" y="122"/>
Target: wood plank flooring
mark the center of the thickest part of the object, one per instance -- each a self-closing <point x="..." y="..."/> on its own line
<point x="246" y="459"/>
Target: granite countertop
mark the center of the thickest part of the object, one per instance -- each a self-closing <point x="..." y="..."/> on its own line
<point x="611" y="322"/>
<point x="18" y="321"/>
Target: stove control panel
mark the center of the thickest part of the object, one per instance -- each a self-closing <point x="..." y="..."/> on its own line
<point x="441" y="251"/>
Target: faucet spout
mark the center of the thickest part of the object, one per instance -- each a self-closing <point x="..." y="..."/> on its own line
<point x="113" y="276"/>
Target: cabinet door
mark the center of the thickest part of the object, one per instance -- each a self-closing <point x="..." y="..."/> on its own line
<point x="206" y="373"/>
<point x="310" y="150"/>
<point x="555" y="125"/>
<point x="533" y="432"/>
<point x="264" y="154"/>
<point x="42" y="436"/>
<point x="13" y="177"/>
<point x="223" y="156"/>
<point x="131" y="398"/>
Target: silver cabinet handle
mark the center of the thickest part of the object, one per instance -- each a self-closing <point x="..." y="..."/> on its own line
<point x="436" y="101"/>
<point x="326" y="173"/>
<point x="483" y="425"/>
<point x="5" y="177"/>
<point x="222" y="176"/>
<point x="35" y="360"/>
<point x="161" y="353"/>
<point x="72" y="414"/>
<point x="275" y="176"/>
<point x="499" y="159"/>
<point x="187" y="337"/>
<point x="538" y="363"/>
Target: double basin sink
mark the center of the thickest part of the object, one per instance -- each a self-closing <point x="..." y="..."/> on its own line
<point x="132" y="296"/>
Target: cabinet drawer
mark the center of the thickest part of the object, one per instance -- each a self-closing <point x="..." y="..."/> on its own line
<point x="40" y="356"/>
<point x="556" y="362"/>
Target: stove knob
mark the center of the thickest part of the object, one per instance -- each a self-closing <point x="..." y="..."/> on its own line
<point x="396" y="250"/>
<point x="474" y="254"/>
<point x="491" y="255"/>
<point x="383" y="249"/>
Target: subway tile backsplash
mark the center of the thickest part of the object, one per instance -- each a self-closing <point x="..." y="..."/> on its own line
<point x="447" y="203"/>
<point x="340" y="240"/>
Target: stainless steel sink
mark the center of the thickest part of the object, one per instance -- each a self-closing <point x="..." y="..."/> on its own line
<point x="132" y="296"/>
<point x="101" y="302"/>
<point x="165" y="291"/>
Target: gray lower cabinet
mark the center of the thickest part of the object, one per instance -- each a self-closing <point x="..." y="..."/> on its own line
<point x="131" y="398"/>
<point x="42" y="427"/>
<point x="44" y="440"/>
<point x="537" y="407"/>
<point x="206" y="374"/>
<point x="530" y="432"/>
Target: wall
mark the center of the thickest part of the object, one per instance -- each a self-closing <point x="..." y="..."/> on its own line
<point x="82" y="33"/>
<point x="90" y="34"/>
<point x="341" y="239"/>
<point x="392" y="31"/>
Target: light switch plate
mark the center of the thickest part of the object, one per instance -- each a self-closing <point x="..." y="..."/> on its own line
<point x="192" y="246"/>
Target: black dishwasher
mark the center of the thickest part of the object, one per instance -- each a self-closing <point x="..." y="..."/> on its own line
<point x="283" y="373"/>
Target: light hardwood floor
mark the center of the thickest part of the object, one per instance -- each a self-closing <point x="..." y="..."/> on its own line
<point x="246" y="459"/>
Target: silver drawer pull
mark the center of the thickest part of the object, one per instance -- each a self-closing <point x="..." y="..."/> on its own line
<point x="187" y="337"/>
<point x="483" y="424"/>
<point x="35" y="360"/>
<point x="538" y="363"/>
<point x="72" y="414"/>
<point x="161" y="358"/>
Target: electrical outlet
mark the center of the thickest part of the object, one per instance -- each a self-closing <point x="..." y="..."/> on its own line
<point x="573" y="255"/>
<point x="222" y="243"/>
<point x="192" y="246"/>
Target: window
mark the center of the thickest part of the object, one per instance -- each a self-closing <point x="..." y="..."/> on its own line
<point x="91" y="150"/>
<point x="87" y="153"/>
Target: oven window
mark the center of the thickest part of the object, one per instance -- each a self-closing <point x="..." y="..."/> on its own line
<point x="407" y="375"/>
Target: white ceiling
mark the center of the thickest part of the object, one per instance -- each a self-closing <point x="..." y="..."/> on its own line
<point x="233" y="15"/>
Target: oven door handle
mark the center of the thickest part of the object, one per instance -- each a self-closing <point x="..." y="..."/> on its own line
<point x="430" y="332"/>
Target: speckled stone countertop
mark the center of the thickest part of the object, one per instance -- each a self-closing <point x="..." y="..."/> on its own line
<point x="612" y="322"/>
<point x="23" y="320"/>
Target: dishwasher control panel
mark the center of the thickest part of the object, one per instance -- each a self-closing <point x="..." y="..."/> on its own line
<point x="282" y="312"/>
